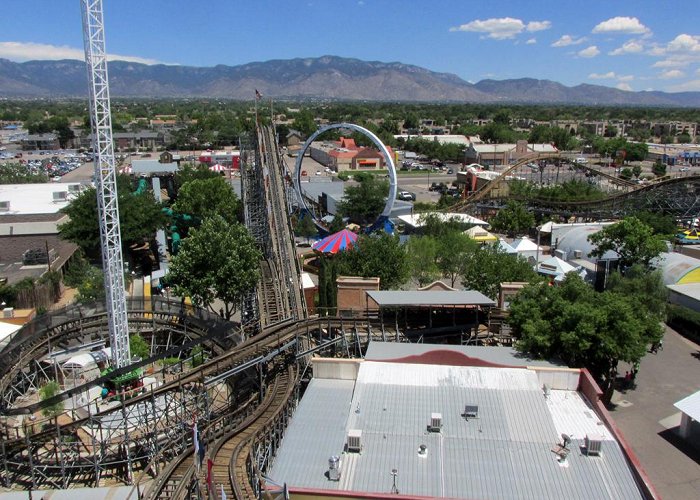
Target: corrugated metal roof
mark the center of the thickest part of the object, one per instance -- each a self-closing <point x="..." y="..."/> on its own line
<point x="505" y="453"/>
<point x="430" y="298"/>
<point x="304" y="454"/>
<point x="690" y="406"/>
<point x="383" y="351"/>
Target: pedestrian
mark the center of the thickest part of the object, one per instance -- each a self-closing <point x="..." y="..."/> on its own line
<point x="221" y="312"/>
<point x="628" y="379"/>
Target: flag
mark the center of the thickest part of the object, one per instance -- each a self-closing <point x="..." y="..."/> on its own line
<point x="223" y="493"/>
<point x="210" y="465"/>
<point x="258" y="95"/>
<point x="195" y="440"/>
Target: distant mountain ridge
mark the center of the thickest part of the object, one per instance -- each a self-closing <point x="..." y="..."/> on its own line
<point x="326" y="77"/>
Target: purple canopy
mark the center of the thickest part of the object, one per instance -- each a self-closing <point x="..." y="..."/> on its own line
<point x="336" y="242"/>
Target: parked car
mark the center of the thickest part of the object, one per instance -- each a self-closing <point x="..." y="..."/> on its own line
<point x="684" y="169"/>
<point x="450" y="171"/>
<point x="406" y="196"/>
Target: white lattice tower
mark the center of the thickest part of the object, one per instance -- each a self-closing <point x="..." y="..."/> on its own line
<point x="105" y="174"/>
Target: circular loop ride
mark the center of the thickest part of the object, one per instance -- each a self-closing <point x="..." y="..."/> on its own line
<point x="377" y="142"/>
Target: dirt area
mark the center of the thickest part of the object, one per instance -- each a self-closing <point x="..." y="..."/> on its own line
<point x="67" y="297"/>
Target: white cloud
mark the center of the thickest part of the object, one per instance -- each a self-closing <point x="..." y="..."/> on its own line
<point x="631" y="47"/>
<point x="689" y="86"/>
<point x="567" y="40"/>
<point x="502" y="28"/>
<point x="679" y="52"/>
<point x="538" y="25"/>
<point x="623" y="86"/>
<point x="611" y="75"/>
<point x="531" y="41"/>
<point x="622" y="24"/>
<point x="669" y="63"/>
<point x="684" y="43"/>
<point x="589" y="52"/>
<point x="671" y="74"/>
<point x="602" y="76"/>
<point x="23" y="51"/>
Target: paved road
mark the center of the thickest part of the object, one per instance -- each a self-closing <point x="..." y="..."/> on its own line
<point x="646" y="416"/>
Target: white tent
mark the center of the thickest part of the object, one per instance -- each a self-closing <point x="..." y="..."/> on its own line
<point x="527" y="248"/>
<point x="501" y="243"/>
<point x="556" y="267"/>
<point x="416" y="220"/>
<point x="86" y="360"/>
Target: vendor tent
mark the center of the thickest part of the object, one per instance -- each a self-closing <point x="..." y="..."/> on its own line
<point x="480" y="234"/>
<point x="125" y="170"/>
<point x="502" y="245"/>
<point x="554" y="266"/>
<point x="336" y="242"/>
<point x="527" y="248"/>
<point x="217" y="167"/>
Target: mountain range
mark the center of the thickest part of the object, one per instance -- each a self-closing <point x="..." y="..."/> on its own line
<point x="328" y="77"/>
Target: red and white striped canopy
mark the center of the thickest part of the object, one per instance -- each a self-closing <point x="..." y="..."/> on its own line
<point x="218" y="168"/>
<point x="125" y="170"/>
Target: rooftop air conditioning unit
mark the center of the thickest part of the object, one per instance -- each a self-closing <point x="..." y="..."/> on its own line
<point x="334" y="465"/>
<point x="60" y="195"/>
<point x="577" y="254"/>
<point x="4" y="206"/>
<point x="593" y="444"/>
<point x="74" y="188"/>
<point x="435" y="422"/>
<point x="354" y="443"/>
<point x="561" y="254"/>
<point x="8" y="312"/>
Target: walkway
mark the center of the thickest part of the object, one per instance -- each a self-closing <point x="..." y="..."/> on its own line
<point x="646" y="416"/>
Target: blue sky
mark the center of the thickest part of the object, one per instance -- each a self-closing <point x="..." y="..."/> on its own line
<point x="628" y="44"/>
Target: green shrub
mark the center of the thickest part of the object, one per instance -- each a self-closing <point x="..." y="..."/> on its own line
<point x="685" y="321"/>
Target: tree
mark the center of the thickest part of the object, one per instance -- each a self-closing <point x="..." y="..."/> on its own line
<point x="138" y="346"/>
<point x="626" y="173"/>
<point x="92" y="286"/>
<point x="633" y="240"/>
<point x="218" y="260"/>
<point x="189" y="172"/>
<point x="204" y="198"/>
<point x="364" y="202"/>
<point x="659" y="168"/>
<point x="637" y="171"/>
<point x="453" y="247"/>
<point x="662" y="224"/>
<point x="47" y="391"/>
<point x="513" y="219"/>
<point x="487" y="266"/>
<point x="378" y="255"/>
<point x="140" y="215"/>
<point x="582" y="327"/>
<point x="304" y="122"/>
<point x="305" y="227"/>
<point x="422" y="259"/>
